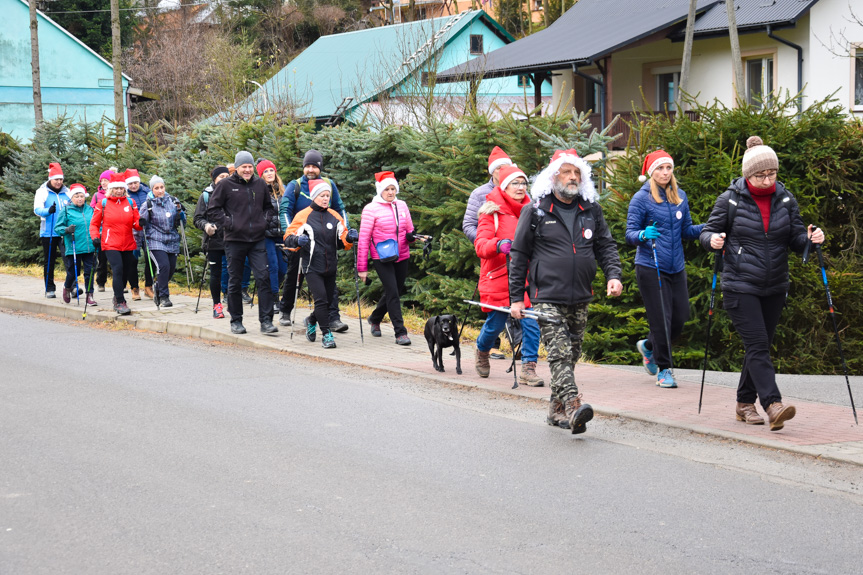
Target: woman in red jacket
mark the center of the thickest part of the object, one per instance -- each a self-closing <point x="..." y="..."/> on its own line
<point x="497" y="220"/>
<point x="111" y="229"/>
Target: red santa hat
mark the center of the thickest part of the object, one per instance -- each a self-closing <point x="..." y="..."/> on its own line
<point x="653" y="161"/>
<point x="384" y="180"/>
<point x="76" y="189"/>
<point x="318" y="186"/>
<point x="508" y="174"/>
<point x="55" y="171"/>
<point x="117" y="181"/>
<point x="131" y="176"/>
<point x="496" y="159"/>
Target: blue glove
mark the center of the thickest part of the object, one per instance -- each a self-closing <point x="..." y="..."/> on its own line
<point x="651" y="232"/>
<point x="303" y="241"/>
<point x="136" y="254"/>
<point x="353" y="236"/>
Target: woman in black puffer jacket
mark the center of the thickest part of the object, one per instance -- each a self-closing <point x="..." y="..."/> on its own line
<point x="754" y="238"/>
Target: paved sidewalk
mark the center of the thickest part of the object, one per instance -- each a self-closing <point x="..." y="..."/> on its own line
<point x="821" y="428"/>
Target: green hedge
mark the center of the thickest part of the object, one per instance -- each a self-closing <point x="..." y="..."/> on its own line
<point x="820" y="154"/>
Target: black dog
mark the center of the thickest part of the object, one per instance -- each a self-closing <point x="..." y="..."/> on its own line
<point x="442" y="331"/>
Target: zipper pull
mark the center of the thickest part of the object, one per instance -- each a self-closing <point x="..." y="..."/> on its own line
<point x="573" y="248"/>
<point x="740" y="251"/>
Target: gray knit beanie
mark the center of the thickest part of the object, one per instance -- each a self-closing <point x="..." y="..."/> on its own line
<point x="243" y="158"/>
<point x="156" y="180"/>
<point x="758" y="157"/>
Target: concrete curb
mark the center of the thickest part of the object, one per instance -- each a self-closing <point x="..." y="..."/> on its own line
<point x="209" y="334"/>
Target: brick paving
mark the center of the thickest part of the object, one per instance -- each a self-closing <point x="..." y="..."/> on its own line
<point x="819" y="429"/>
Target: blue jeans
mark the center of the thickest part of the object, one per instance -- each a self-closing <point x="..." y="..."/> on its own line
<point x="247" y="275"/>
<point x="278" y="265"/>
<point x="494" y="324"/>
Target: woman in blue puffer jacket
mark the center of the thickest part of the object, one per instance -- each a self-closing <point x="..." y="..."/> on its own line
<point x="659" y="212"/>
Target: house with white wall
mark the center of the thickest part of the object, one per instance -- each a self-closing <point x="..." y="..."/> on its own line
<point x="612" y="58"/>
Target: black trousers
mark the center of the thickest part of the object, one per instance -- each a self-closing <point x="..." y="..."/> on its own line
<point x="675" y="292"/>
<point x="214" y="260"/>
<point x="393" y="275"/>
<point x="84" y="266"/>
<point x="102" y="268"/>
<point x="755" y="318"/>
<point x="120" y="262"/>
<point x="51" y="245"/>
<point x="323" y="290"/>
<point x="289" y="290"/>
<point x="167" y="266"/>
<point x="237" y="252"/>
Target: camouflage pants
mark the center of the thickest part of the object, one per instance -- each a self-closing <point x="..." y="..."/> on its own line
<point x="563" y="344"/>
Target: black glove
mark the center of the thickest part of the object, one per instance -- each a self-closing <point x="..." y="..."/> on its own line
<point x="353" y="236"/>
<point x="70" y="229"/>
<point x="303" y="240"/>
<point x="52" y="209"/>
<point x="97" y="243"/>
<point x="411" y="237"/>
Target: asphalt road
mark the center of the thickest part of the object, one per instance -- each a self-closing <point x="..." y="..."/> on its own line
<point x="127" y="452"/>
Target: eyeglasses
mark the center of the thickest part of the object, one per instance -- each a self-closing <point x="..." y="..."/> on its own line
<point x="765" y="175"/>
<point x="518" y="184"/>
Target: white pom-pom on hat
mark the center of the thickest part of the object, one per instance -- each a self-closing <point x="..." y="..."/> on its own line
<point x="642" y="178"/>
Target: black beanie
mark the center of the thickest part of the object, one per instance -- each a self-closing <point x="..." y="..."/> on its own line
<point x="219" y="170"/>
<point x="313" y="158"/>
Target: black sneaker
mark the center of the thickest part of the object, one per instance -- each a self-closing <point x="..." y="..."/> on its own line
<point x="403" y="340"/>
<point x="328" y="342"/>
<point x="268" y="327"/>
<point x="338" y="326"/>
<point x="311" y="329"/>
<point x="165" y="302"/>
<point x="285" y="319"/>
<point x="376" y="328"/>
<point x="237" y="327"/>
<point x="246" y="297"/>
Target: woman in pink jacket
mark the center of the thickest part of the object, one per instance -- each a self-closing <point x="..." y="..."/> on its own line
<point x="386" y="229"/>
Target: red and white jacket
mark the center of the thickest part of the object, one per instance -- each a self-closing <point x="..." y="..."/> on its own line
<point x="115" y="221"/>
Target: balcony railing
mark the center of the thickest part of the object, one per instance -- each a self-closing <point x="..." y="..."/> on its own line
<point x="623" y="128"/>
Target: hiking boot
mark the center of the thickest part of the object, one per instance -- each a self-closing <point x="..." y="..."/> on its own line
<point x="528" y="375"/>
<point x="338" y="326"/>
<point x="556" y="413"/>
<point x="495" y="353"/>
<point x="121" y="308"/>
<point x="245" y="295"/>
<point x="90" y="300"/>
<point x="778" y="414"/>
<point x="403" y="340"/>
<point x="311" y="329"/>
<point x="482" y="366"/>
<point x="285" y="319"/>
<point x="328" y="341"/>
<point x="237" y="327"/>
<point x="136" y="294"/>
<point x="67" y="295"/>
<point x="646" y="357"/>
<point x="165" y="302"/>
<point x="747" y="414"/>
<point x="51" y="295"/>
<point x="148" y="291"/>
<point x="577" y="413"/>
<point x="268" y="327"/>
<point x="376" y="327"/>
<point x="218" y="311"/>
<point x="665" y="379"/>
<point x="100" y="287"/>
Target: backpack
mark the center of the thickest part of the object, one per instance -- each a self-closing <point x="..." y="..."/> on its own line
<point x="131" y="202"/>
<point x="299" y="186"/>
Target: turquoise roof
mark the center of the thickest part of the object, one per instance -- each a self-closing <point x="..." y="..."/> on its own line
<point x="366" y="63"/>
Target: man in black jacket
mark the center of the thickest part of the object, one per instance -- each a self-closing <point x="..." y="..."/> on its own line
<point x="558" y="240"/>
<point x="240" y="205"/>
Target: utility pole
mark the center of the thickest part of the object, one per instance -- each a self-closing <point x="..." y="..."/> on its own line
<point x="34" y="62"/>
<point x="116" y="53"/>
<point x="736" y="62"/>
<point x="687" y="57"/>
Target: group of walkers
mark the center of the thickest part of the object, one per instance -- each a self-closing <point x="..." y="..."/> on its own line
<point x="538" y="253"/>
<point x="124" y="220"/>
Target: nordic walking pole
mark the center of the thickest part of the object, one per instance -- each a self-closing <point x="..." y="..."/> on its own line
<point x="203" y="275"/>
<point x="152" y="275"/>
<point x="296" y="295"/>
<point x="92" y="273"/>
<point x="75" y="260"/>
<point x="48" y="260"/>
<point x="466" y="311"/>
<point x="716" y="265"/>
<point x="357" y="285"/>
<point x="662" y="303"/>
<point x="190" y="274"/>
<point x="835" y="327"/>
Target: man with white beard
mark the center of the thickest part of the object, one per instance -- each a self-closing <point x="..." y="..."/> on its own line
<point x="559" y="239"/>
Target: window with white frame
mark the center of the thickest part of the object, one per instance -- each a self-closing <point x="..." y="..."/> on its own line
<point x="667" y="79"/>
<point x="858" y="79"/>
<point x="759" y="80"/>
